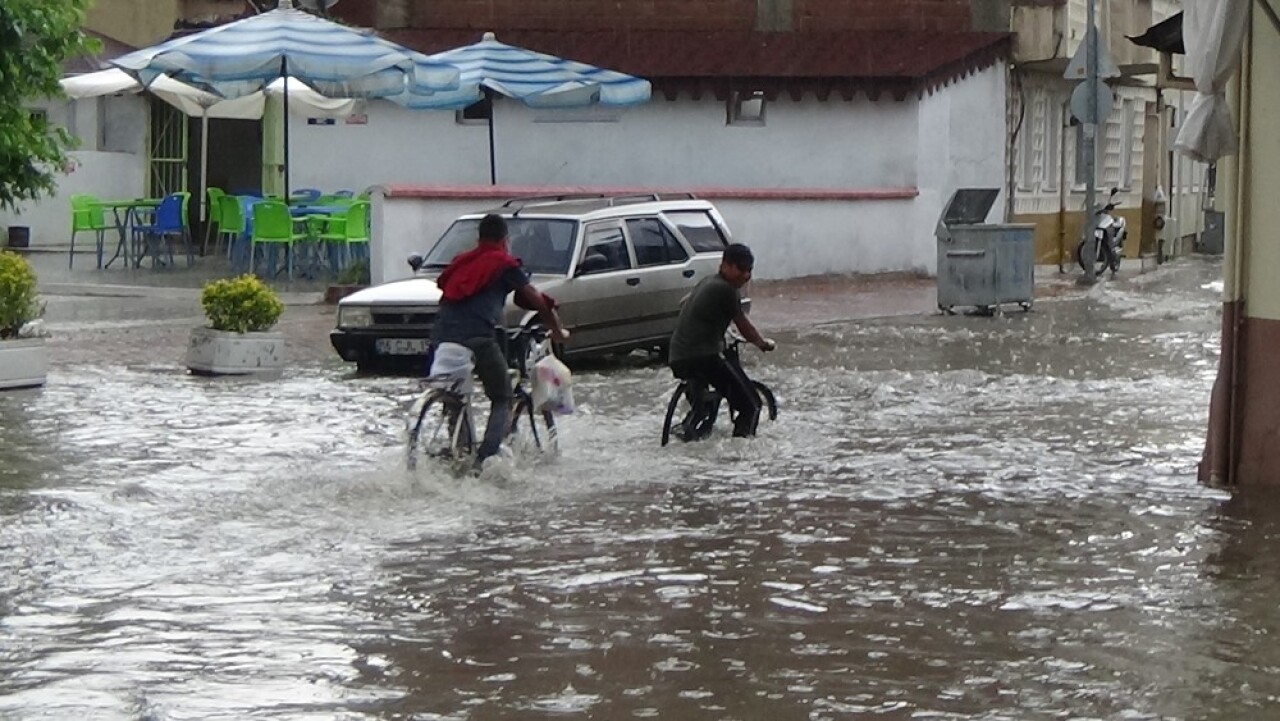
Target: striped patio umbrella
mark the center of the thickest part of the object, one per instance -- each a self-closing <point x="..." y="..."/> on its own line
<point x="533" y="78"/>
<point x="242" y="57"/>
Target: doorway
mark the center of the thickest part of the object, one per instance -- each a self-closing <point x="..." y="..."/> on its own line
<point x="234" y="164"/>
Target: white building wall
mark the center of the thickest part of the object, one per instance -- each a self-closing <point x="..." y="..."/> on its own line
<point x="951" y="138"/>
<point x="682" y="143"/>
<point x="961" y="145"/>
<point x="110" y="163"/>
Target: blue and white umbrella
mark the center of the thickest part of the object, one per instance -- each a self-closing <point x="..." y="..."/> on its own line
<point x="242" y="57"/>
<point x="533" y="78"/>
<point x="239" y="58"/>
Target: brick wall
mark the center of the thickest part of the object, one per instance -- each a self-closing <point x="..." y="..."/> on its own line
<point x="705" y="15"/>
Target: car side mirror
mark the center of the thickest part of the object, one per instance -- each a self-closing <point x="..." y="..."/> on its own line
<point x="416" y="261"/>
<point x="592" y="263"/>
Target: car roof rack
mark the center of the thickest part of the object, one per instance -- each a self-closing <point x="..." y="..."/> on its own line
<point x="606" y="200"/>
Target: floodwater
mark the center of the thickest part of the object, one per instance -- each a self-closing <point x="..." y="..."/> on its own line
<point x="953" y="518"/>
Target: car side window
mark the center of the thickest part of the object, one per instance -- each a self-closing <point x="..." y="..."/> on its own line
<point x="654" y="243"/>
<point x="699" y="229"/>
<point x="606" y="250"/>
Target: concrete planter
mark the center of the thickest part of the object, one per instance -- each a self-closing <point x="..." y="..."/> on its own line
<point x="216" y="352"/>
<point x="24" y="363"/>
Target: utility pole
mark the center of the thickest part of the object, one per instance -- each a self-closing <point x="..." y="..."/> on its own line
<point x="1090" y="254"/>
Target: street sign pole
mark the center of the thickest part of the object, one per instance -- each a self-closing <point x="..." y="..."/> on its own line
<point x="1090" y="254"/>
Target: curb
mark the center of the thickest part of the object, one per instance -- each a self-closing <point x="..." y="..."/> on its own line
<point x="94" y="290"/>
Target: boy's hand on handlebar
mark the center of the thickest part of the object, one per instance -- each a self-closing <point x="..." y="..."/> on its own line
<point x="560" y="335"/>
<point x="767" y="344"/>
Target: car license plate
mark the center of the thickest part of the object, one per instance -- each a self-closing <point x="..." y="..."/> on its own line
<point x="401" y="346"/>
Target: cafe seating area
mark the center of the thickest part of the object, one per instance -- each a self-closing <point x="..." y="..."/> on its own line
<point x="311" y="235"/>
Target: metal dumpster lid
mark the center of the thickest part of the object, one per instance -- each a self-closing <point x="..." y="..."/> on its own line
<point x="969" y="206"/>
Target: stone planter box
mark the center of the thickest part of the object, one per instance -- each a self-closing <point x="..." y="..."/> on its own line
<point x="24" y="363"/>
<point x="216" y="352"/>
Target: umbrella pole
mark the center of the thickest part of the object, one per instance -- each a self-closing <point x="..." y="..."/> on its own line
<point x="204" y="176"/>
<point x="284" y="73"/>
<point x="493" y="170"/>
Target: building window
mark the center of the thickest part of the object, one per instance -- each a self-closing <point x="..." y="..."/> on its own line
<point x="747" y="108"/>
<point x="1126" y="144"/>
<point x="477" y="113"/>
<point x="1052" y="143"/>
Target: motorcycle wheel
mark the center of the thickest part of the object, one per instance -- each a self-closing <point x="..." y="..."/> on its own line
<point x="1102" y="262"/>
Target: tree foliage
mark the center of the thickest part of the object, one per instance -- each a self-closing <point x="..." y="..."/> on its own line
<point x="36" y="38"/>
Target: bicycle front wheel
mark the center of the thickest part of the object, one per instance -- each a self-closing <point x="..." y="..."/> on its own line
<point x="530" y="429"/>
<point x="441" y="429"/>
<point x="766" y="395"/>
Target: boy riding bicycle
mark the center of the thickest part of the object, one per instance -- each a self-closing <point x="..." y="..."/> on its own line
<point x="475" y="287"/>
<point x="698" y="339"/>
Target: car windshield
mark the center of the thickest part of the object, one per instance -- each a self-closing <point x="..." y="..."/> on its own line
<point x="543" y="245"/>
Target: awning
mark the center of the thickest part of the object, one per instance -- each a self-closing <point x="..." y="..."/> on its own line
<point x="1165" y="36"/>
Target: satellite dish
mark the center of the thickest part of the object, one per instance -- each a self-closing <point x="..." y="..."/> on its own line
<point x="317" y="5"/>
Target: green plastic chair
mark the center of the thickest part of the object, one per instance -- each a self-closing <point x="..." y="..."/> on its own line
<point x="213" y="216"/>
<point x="349" y="233"/>
<point x="272" y="225"/>
<point x="86" y="215"/>
<point x="187" y="241"/>
<point x="231" y="222"/>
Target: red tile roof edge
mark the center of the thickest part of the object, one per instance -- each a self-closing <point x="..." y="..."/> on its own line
<point x="920" y="59"/>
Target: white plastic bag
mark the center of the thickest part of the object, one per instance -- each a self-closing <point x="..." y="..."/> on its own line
<point x="453" y="362"/>
<point x="552" y="386"/>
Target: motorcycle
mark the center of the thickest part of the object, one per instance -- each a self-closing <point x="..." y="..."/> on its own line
<point x="1109" y="233"/>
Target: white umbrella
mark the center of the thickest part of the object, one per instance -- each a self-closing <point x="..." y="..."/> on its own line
<point x="196" y="102"/>
<point x="205" y="105"/>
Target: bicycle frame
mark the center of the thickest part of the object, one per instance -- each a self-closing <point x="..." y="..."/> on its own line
<point x="455" y="404"/>
<point x="700" y="394"/>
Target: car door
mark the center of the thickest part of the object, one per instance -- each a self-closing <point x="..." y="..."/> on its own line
<point x="666" y="274"/>
<point x="596" y="303"/>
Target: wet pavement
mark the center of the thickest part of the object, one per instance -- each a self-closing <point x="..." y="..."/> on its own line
<point x="954" y="517"/>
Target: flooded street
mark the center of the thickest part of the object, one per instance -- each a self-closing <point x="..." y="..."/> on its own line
<point x="952" y="518"/>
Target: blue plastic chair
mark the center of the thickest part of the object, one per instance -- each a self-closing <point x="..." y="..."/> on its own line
<point x="344" y="194"/>
<point x="152" y="238"/>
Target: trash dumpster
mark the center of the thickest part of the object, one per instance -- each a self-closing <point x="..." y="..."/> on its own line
<point x="983" y="265"/>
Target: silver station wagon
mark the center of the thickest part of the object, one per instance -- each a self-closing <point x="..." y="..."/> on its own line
<point x="618" y="266"/>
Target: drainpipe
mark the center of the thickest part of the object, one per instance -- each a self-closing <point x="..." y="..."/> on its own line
<point x="1238" y="293"/>
<point x="1222" y="452"/>
<point x="1062" y="184"/>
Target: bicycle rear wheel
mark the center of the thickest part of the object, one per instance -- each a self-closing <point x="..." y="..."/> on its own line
<point x="531" y="429"/>
<point x="691" y="413"/>
<point x="679" y="403"/>
<point x="441" y="429"/>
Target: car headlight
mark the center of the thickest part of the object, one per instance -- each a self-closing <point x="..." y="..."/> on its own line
<point x="355" y="316"/>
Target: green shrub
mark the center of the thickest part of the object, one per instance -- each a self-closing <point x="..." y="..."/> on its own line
<point x="17" y="294"/>
<point x="356" y="273"/>
<point x="241" y="305"/>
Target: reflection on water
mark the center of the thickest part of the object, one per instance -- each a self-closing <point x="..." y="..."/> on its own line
<point x="952" y="518"/>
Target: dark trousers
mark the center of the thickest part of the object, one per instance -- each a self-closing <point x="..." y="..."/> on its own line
<point x="730" y="383"/>
<point x="491" y="366"/>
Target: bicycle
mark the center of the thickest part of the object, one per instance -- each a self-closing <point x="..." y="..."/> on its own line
<point x="699" y="404"/>
<point x="441" y="420"/>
